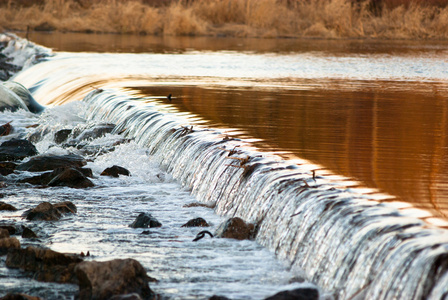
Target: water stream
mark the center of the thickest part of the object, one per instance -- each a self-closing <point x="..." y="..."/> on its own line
<point x="349" y="239"/>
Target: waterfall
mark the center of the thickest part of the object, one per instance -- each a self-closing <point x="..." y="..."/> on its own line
<point x="347" y="240"/>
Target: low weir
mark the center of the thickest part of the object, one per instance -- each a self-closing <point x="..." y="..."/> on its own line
<point x="346" y="240"/>
<point x="350" y="241"/>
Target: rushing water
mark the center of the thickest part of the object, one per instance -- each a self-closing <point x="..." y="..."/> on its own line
<point x="349" y="111"/>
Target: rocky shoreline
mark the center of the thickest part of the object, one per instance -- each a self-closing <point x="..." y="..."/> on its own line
<point x="21" y="164"/>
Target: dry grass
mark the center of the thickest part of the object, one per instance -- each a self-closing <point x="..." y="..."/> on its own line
<point x="404" y="19"/>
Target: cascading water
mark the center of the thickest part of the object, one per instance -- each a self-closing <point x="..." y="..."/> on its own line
<point x="346" y="239"/>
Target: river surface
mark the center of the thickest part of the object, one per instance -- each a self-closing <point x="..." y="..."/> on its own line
<point x="375" y="111"/>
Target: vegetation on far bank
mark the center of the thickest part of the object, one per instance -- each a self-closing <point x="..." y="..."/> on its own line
<point x="394" y="19"/>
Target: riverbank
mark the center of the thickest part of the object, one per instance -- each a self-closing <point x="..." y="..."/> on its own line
<point x="387" y="19"/>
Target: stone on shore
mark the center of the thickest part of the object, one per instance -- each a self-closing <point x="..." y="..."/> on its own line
<point x="45" y="211"/>
<point x="115" y="171"/>
<point x="6" y="206"/>
<point x="8" y="243"/>
<point x="197" y="222"/>
<point x="145" y="220"/>
<point x="47" y="265"/>
<point x="103" y="280"/>
<point x="52" y="162"/>
<point x="236" y="228"/>
<point x="16" y="149"/>
<point x="296" y="294"/>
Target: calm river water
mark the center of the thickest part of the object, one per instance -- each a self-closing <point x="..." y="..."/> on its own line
<point x="375" y="111"/>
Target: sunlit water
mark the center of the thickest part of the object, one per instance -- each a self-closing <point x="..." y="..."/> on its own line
<point x="369" y="112"/>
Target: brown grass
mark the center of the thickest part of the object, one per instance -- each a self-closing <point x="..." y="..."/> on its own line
<point x="403" y="19"/>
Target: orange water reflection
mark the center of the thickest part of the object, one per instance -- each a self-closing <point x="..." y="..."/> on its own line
<point x="390" y="136"/>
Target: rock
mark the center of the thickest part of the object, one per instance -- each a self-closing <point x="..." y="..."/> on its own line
<point x="51" y="162"/>
<point x="77" y="180"/>
<point x="114" y="171"/>
<point x="197" y="222"/>
<point x="4" y="233"/>
<point x="28" y="233"/>
<point x="47" y="265"/>
<point x="296" y="294"/>
<point x="62" y="135"/>
<point x="7" y="167"/>
<point x="103" y="280"/>
<point x="16" y="149"/>
<point x="70" y="177"/>
<point x="216" y="297"/>
<point x="45" y="211"/>
<point x="66" y="207"/>
<point x="6" y="206"/>
<point x="19" y="297"/>
<point x="11" y="229"/>
<point x="132" y="296"/>
<point x="8" y="243"/>
<point x="145" y="220"/>
<point x="5" y="129"/>
<point x="236" y="228"/>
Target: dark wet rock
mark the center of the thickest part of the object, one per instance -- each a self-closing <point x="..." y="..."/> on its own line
<point x="16" y="149"/>
<point x="11" y="229"/>
<point x="197" y="222"/>
<point x="236" y="228"/>
<point x="145" y="220"/>
<point x="19" y="297"/>
<point x="51" y="162"/>
<point x="28" y="233"/>
<point x="4" y="233"/>
<point x="216" y="297"/>
<point x="45" y="211"/>
<point x="7" y="167"/>
<point x="8" y="243"/>
<point x="103" y="280"/>
<point x="47" y="265"/>
<point x="38" y="133"/>
<point x="62" y="135"/>
<point x="70" y="177"/>
<point x="99" y="130"/>
<point x="66" y="207"/>
<point x="296" y="294"/>
<point x="5" y="129"/>
<point x="75" y="180"/>
<point x="6" y="206"/>
<point x="114" y="171"/>
<point x="133" y="296"/>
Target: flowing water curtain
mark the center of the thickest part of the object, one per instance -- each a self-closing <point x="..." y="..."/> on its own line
<point x="345" y="241"/>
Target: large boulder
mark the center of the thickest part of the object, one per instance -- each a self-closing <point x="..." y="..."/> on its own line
<point x="197" y="222"/>
<point x="51" y="162"/>
<point x="16" y="149"/>
<point x="45" y="211"/>
<point x="70" y="177"/>
<point x="115" y="171"/>
<point x="47" y="265"/>
<point x="6" y="206"/>
<point x="296" y="294"/>
<point x="103" y="280"/>
<point x="236" y="228"/>
<point x="145" y="220"/>
<point x="8" y="243"/>
<point x="7" y="167"/>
